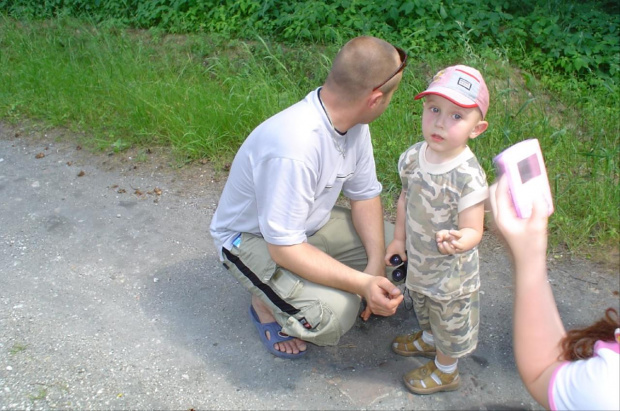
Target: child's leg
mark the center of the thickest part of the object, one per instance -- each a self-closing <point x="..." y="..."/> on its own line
<point x="420" y="343"/>
<point x="455" y="334"/>
<point x="455" y="324"/>
<point x="445" y="361"/>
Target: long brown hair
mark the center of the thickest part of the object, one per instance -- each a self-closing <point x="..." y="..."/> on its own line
<point x="579" y="344"/>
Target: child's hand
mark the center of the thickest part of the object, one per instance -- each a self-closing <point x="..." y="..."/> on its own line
<point x="444" y="240"/>
<point x="448" y="242"/>
<point x="395" y="247"/>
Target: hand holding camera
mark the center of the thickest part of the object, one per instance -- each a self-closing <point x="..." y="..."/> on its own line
<point x="524" y="168"/>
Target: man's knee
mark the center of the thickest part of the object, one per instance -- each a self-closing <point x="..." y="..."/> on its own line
<point x="324" y="320"/>
<point x="345" y="309"/>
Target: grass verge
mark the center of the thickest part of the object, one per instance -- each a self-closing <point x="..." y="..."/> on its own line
<point x="201" y="95"/>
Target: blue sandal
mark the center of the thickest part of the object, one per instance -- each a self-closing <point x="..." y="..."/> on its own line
<point x="276" y="336"/>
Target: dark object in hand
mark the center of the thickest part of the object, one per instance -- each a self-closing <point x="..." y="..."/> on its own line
<point x="400" y="272"/>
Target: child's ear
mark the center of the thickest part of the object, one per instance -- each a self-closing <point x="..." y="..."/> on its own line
<point x="480" y="128"/>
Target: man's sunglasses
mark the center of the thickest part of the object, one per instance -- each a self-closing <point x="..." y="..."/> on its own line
<point x="403" y="64"/>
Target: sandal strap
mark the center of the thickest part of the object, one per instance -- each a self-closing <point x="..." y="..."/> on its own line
<point x="431" y="381"/>
<point x="414" y="343"/>
<point x="275" y="333"/>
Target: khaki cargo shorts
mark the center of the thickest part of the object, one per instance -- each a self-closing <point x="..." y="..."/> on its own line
<point x="454" y="323"/>
<point x="306" y="310"/>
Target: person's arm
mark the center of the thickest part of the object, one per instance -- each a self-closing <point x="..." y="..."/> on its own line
<point x="367" y="218"/>
<point x="538" y="328"/>
<point x="312" y="264"/>
<point x="469" y="234"/>
<point x="398" y="244"/>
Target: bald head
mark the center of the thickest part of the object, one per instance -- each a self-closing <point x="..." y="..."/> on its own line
<point x="361" y="65"/>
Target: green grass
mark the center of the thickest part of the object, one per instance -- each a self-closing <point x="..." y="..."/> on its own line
<point x="17" y="348"/>
<point x="41" y="394"/>
<point x="202" y="94"/>
<point x="133" y="88"/>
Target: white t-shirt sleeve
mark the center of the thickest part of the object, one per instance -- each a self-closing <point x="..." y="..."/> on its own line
<point x="283" y="204"/>
<point x="590" y="384"/>
<point x="476" y="190"/>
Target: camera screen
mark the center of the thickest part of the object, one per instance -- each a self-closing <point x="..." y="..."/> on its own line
<point x="528" y="168"/>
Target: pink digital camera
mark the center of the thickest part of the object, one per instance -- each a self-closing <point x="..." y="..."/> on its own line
<point x="524" y="167"/>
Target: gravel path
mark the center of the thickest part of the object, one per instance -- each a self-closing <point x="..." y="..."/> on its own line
<point x="111" y="297"/>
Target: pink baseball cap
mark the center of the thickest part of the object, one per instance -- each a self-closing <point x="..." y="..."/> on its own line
<point x="462" y="85"/>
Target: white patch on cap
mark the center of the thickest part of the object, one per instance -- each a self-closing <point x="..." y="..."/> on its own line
<point x="464" y="83"/>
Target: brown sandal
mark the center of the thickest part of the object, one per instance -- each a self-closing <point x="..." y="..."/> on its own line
<point x="412" y="345"/>
<point x="428" y="380"/>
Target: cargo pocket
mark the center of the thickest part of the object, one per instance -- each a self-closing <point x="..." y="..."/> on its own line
<point x="251" y="263"/>
<point x="314" y="323"/>
<point x="283" y="282"/>
<point x="255" y="269"/>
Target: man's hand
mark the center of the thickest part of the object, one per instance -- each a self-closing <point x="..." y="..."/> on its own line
<point x="382" y="297"/>
<point x="366" y="313"/>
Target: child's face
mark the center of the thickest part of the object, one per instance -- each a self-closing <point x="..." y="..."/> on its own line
<point x="447" y="127"/>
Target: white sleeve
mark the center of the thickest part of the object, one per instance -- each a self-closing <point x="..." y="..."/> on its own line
<point x="590" y="384"/>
